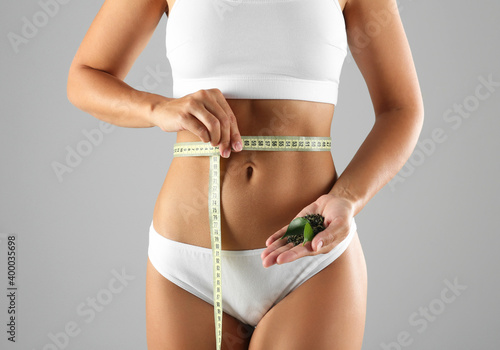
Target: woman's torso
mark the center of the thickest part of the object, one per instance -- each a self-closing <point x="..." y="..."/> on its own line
<point x="261" y="191"/>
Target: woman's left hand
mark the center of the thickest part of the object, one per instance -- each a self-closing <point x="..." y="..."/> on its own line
<point x="338" y="213"/>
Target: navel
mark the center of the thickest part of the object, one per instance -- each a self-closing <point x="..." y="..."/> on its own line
<point x="249" y="172"/>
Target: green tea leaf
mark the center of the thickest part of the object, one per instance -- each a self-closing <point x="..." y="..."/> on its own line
<point x="298" y="226"/>
<point x="308" y="233"/>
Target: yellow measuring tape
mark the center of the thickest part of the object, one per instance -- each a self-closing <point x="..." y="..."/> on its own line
<point x="250" y="143"/>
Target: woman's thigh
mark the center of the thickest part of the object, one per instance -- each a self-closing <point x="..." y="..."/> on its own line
<point x="326" y="312"/>
<point x="176" y="319"/>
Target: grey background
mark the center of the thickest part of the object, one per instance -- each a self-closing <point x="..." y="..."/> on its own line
<point x="438" y="225"/>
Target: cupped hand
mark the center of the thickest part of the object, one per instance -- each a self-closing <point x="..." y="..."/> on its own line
<point x="337" y="212"/>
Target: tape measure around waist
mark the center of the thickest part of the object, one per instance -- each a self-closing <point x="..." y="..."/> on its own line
<point x="250" y="143"/>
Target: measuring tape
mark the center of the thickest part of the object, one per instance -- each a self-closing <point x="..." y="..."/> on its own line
<point x="250" y="143"/>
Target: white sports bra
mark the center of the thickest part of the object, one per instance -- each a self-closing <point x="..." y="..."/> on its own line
<point x="257" y="49"/>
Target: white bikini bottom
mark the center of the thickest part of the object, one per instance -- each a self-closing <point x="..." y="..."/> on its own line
<point x="250" y="290"/>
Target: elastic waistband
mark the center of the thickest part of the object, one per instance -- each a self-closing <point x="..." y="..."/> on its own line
<point x="155" y="237"/>
<point x="158" y="240"/>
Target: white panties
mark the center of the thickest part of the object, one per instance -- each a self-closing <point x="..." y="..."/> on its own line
<point x="249" y="289"/>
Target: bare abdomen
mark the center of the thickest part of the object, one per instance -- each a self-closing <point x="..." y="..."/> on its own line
<point x="261" y="191"/>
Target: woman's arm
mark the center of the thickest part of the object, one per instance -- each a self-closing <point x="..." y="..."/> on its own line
<point x="117" y="36"/>
<point x="379" y="46"/>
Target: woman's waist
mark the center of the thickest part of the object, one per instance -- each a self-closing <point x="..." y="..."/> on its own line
<point x="260" y="193"/>
<point x="286" y="163"/>
<point x="248" y="217"/>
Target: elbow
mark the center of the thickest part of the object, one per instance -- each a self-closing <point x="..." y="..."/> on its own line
<point x="412" y="113"/>
<point x="407" y="117"/>
<point x="411" y="110"/>
<point x="419" y="114"/>
<point x="72" y="87"/>
<point x="75" y="86"/>
<point x="416" y="115"/>
<point x="416" y="104"/>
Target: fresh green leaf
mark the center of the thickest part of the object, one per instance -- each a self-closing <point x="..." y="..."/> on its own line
<point x="298" y="226"/>
<point x="308" y="233"/>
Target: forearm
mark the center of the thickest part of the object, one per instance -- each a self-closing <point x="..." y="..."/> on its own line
<point x="383" y="153"/>
<point x="110" y="99"/>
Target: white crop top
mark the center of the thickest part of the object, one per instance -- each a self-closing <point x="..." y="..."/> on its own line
<point x="257" y="49"/>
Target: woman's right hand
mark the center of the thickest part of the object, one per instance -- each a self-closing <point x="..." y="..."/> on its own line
<point x="206" y="114"/>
